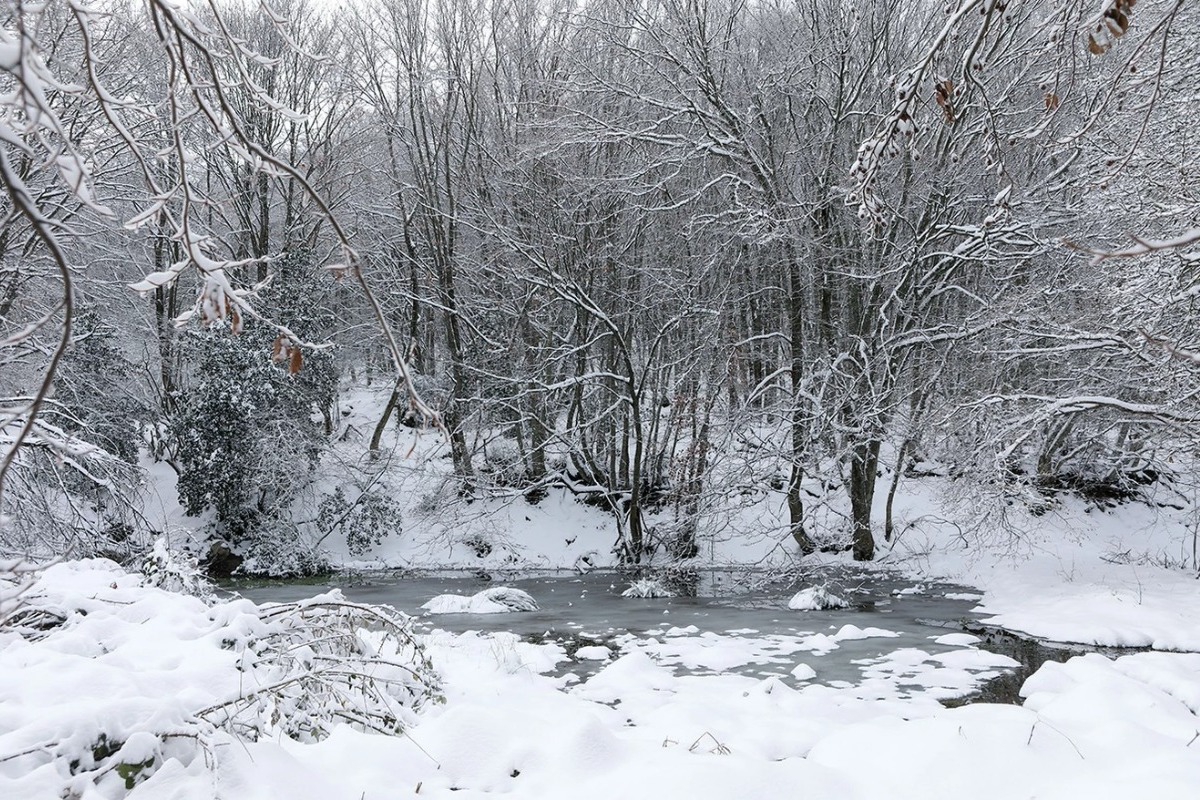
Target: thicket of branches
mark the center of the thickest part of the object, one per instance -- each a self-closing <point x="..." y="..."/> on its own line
<point x="654" y="251"/>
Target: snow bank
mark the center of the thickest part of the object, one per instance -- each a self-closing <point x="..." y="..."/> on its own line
<point x="853" y="632"/>
<point x="1123" y="577"/>
<point x="1107" y="608"/>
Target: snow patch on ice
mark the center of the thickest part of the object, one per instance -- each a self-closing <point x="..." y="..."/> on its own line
<point x="957" y="639"/>
<point x="594" y="653"/>
<point x="851" y="632"/>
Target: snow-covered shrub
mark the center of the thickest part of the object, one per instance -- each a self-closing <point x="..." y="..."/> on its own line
<point x="245" y="435"/>
<point x="365" y="522"/>
<point x="174" y="571"/>
<point x="322" y="662"/>
<point x="430" y="503"/>
<point x="282" y="552"/>
<point x="503" y="463"/>
<point x="648" y="587"/>
<point x="816" y="598"/>
<point x="242" y="436"/>
<point x="478" y="542"/>
<point x="514" y="599"/>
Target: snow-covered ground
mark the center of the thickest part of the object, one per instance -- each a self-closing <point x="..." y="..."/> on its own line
<point x="1119" y="578"/>
<point x="107" y="701"/>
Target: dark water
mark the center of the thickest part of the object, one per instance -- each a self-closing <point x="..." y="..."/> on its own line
<point x="578" y="610"/>
<point x="724" y="601"/>
<point x="1031" y="654"/>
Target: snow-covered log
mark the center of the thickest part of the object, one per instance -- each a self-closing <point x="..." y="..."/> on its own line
<point x="497" y="600"/>
<point x="816" y="598"/>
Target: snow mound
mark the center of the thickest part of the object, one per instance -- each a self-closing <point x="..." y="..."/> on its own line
<point x="803" y="672"/>
<point x="596" y="652"/>
<point x="107" y="682"/>
<point x="647" y="587"/>
<point x="852" y="632"/>
<point x="816" y="598"/>
<point x="497" y="600"/>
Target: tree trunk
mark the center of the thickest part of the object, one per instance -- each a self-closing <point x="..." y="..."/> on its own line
<point x="799" y="426"/>
<point x="381" y="426"/>
<point x="459" y="453"/>
<point x="888" y="524"/>
<point x="539" y="435"/>
<point x="637" y="533"/>
<point x="263" y="245"/>
<point x="864" y="462"/>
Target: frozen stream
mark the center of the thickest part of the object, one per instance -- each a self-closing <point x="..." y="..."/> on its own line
<point x="896" y="639"/>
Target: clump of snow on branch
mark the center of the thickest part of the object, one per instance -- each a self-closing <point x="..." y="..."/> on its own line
<point x="912" y="87"/>
<point x="105" y="680"/>
<point x="890" y="139"/>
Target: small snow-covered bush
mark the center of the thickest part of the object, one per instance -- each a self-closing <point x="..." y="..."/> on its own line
<point x="174" y="571"/>
<point x="322" y="662"/>
<point x="478" y="542"/>
<point x="365" y="522"/>
<point x="503" y="463"/>
<point x="283" y="553"/>
<point x="648" y="587"/>
<point x="816" y="598"/>
<point x="429" y="503"/>
<point x="514" y="599"/>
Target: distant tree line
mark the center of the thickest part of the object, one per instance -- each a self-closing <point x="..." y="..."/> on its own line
<point x="656" y="252"/>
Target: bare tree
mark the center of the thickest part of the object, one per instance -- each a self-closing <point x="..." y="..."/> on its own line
<point x="210" y="83"/>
